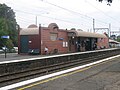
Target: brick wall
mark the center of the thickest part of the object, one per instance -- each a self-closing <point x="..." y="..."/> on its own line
<point x="57" y="44"/>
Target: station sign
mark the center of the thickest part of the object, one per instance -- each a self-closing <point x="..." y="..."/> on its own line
<point x="6" y="37"/>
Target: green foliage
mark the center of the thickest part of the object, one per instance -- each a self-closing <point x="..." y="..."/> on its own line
<point x="9" y="44"/>
<point x="118" y="39"/>
<point x="7" y="26"/>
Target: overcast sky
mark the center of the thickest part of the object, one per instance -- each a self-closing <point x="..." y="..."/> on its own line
<point x="68" y="14"/>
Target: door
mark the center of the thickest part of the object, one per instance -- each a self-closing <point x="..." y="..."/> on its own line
<point x="24" y="44"/>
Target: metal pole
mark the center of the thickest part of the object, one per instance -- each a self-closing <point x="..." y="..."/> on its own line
<point x="5" y="52"/>
<point x="18" y="28"/>
<point x="39" y="38"/>
<point x="36" y="20"/>
<point x="109" y="30"/>
<point x="119" y="31"/>
<point x="5" y="28"/>
<point x="93" y="25"/>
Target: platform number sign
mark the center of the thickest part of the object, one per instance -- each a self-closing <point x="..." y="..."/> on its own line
<point x="6" y="37"/>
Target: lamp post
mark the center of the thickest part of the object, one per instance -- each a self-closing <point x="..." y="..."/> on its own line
<point x="18" y="29"/>
<point x="5" y="37"/>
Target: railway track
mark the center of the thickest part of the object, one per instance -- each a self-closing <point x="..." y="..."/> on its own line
<point x="47" y="69"/>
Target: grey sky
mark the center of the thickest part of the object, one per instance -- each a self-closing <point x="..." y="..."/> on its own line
<point x="69" y="14"/>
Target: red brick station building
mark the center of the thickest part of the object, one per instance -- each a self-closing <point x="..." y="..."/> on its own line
<point x="33" y="40"/>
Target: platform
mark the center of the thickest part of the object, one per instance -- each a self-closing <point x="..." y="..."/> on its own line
<point x="16" y="56"/>
<point x="104" y="75"/>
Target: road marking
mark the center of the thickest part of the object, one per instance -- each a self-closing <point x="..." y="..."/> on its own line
<point x="53" y="78"/>
<point x="23" y="83"/>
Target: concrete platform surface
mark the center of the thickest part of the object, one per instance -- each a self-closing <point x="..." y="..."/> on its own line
<point x="15" y="56"/>
<point x="102" y="76"/>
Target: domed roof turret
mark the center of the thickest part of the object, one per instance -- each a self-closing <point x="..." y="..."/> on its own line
<point x="32" y="26"/>
<point x="53" y="26"/>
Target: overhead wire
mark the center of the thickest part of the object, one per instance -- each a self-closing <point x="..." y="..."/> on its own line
<point x="50" y="17"/>
<point x="61" y="20"/>
<point x="83" y="14"/>
<point x="44" y="16"/>
<point x="103" y="12"/>
<point x="65" y="9"/>
<point x="74" y="12"/>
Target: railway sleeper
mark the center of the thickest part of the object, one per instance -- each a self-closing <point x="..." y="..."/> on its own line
<point x="47" y="69"/>
<point x="55" y="67"/>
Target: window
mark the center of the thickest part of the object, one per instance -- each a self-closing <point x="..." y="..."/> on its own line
<point x="65" y="44"/>
<point x="53" y="36"/>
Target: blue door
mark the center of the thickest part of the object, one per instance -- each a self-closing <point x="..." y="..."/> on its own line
<point x="24" y="44"/>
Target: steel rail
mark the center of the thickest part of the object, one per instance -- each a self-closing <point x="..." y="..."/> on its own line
<point x="16" y="77"/>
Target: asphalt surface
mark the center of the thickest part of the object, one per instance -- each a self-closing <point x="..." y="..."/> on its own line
<point x="103" y="76"/>
<point x="16" y="56"/>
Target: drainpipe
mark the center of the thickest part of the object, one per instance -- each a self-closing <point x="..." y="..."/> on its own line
<point x="40" y="39"/>
<point x="18" y="28"/>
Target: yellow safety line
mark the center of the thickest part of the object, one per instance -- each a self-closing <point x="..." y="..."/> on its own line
<point x="103" y="62"/>
<point x="63" y="75"/>
<point x="53" y="78"/>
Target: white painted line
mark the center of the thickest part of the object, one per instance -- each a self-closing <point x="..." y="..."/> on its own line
<point x="45" y="57"/>
<point x="52" y="75"/>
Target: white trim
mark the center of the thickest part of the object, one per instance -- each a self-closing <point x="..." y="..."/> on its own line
<point x="53" y="75"/>
<point x="53" y="56"/>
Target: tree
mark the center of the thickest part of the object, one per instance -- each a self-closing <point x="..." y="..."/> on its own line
<point x="7" y="26"/>
<point x="118" y="39"/>
<point x="109" y="1"/>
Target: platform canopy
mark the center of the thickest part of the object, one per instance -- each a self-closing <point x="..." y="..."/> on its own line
<point x="113" y="41"/>
<point x="29" y="31"/>
<point x="80" y="33"/>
